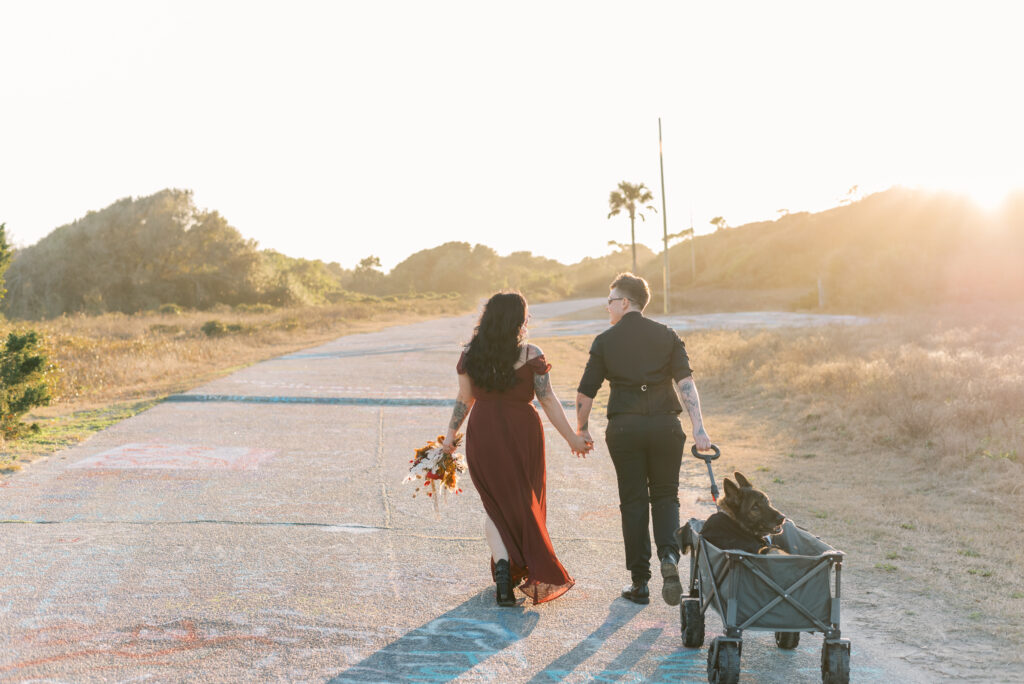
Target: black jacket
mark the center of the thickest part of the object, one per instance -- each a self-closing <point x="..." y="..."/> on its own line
<point x="641" y="359"/>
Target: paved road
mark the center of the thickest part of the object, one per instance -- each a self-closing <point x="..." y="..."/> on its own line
<point x="258" y="531"/>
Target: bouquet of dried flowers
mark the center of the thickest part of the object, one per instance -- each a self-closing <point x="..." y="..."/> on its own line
<point x="436" y="468"/>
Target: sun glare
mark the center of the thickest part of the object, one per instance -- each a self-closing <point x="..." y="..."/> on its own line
<point x="988" y="193"/>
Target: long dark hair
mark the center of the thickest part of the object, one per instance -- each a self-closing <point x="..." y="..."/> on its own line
<point x="497" y="343"/>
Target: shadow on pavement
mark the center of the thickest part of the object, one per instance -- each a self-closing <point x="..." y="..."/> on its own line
<point x="622" y="666"/>
<point x="619" y="613"/>
<point x="447" y="646"/>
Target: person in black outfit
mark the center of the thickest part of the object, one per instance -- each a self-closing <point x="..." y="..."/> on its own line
<point x="644" y="362"/>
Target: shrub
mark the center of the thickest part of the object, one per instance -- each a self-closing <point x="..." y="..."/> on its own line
<point x="254" y="308"/>
<point x="214" y="328"/>
<point x="22" y="387"/>
<point x="170" y="309"/>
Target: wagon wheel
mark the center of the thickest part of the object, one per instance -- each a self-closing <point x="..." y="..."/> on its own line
<point x="787" y="640"/>
<point x="691" y="622"/>
<point x="835" y="663"/>
<point x="723" y="662"/>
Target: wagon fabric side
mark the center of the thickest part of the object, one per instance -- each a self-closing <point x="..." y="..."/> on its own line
<point x="772" y="592"/>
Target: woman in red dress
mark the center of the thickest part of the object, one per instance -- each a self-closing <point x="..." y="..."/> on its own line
<point x="499" y="374"/>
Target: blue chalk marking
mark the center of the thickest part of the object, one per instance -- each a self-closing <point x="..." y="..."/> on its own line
<point x="349" y="353"/>
<point x="332" y="401"/>
<point x="441" y="650"/>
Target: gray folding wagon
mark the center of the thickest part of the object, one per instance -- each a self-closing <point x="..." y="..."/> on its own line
<point x="785" y="594"/>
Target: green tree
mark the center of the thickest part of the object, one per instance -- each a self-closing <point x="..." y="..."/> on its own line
<point x="626" y="198"/>
<point x="5" y="257"/>
<point x="289" y="282"/>
<point x="133" y="255"/>
<point x="368" y="276"/>
<point x="21" y="367"/>
<point x="212" y="263"/>
<point x="22" y="386"/>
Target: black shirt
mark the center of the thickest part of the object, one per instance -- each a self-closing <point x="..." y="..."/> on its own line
<point x="640" y="359"/>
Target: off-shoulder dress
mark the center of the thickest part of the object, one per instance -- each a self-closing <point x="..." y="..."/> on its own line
<point x="505" y="455"/>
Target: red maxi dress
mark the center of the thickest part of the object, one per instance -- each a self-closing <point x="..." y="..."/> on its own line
<point x="505" y="454"/>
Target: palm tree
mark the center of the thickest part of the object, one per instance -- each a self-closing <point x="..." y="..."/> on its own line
<point x="627" y="197"/>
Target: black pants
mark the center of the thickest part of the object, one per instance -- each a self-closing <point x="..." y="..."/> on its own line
<point x="647" y="452"/>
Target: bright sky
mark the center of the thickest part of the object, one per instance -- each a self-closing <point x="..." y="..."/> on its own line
<point x="335" y="130"/>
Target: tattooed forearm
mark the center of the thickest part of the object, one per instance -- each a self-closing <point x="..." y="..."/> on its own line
<point x="583" y="406"/>
<point x="458" y="415"/>
<point x="691" y="400"/>
<point x="542" y="386"/>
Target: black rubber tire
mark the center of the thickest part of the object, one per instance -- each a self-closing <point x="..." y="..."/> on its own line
<point x="691" y="623"/>
<point x="723" y="662"/>
<point x="787" y="640"/>
<point x="835" y="664"/>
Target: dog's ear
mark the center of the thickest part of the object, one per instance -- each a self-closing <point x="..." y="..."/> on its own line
<point x="743" y="481"/>
<point x="731" y="490"/>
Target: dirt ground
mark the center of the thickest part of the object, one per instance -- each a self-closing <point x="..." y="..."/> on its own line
<point x="905" y="580"/>
<point x="916" y="526"/>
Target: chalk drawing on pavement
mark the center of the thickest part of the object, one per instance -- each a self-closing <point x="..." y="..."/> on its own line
<point x="176" y="456"/>
<point x="147" y="643"/>
<point x="444" y="648"/>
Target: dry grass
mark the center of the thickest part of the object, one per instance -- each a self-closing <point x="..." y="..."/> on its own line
<point x="900" y="441"/>
<point x="120" y="361"/>
<point x="115" y="357"/>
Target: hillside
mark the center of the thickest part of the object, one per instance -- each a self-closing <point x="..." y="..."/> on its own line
<point x="139" y="254"/>
<point x="895" y="249"/>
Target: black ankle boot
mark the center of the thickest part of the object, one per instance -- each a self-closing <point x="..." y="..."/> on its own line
<point x="637" y="592"/>
<point x="502" y="578"/>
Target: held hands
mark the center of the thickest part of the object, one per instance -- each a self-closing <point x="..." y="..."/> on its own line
<point x="581" y="443"/>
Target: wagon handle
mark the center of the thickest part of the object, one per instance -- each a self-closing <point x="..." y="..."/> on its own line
<point x="708" y="458"/>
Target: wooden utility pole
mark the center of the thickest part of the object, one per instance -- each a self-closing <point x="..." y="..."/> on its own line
<point x="693" y="251"/>
<point x="664" y="215"/>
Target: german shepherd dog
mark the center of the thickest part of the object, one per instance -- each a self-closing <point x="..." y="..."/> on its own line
<point x="745" y="518"/>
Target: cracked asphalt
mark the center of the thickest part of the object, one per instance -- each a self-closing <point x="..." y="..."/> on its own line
<point x="256" y="529"/>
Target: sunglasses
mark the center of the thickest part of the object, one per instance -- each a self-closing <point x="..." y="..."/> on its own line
<point x="615" y="299"/>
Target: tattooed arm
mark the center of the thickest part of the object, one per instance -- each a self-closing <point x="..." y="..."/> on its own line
<point x="463" y="403"/>
<point x="583" y="406"/>
<point x="556" y="414"/>
<point x="691" y="400"/>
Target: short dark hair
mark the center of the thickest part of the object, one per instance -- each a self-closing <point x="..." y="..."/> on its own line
<point x="634" y="287"/>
